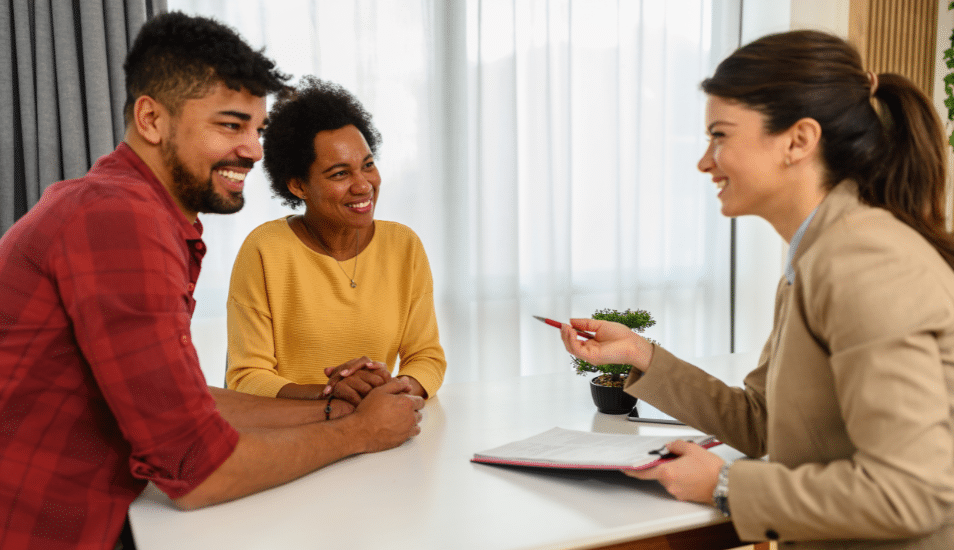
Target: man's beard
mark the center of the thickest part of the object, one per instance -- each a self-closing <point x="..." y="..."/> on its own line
<point x="199" y="195"/>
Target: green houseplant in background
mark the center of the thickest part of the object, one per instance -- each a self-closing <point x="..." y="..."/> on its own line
<point x="607" y="387"/>
<point x="949" y="83"/>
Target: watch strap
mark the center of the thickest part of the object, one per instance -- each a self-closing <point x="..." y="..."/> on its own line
<point x="720" y="496"/>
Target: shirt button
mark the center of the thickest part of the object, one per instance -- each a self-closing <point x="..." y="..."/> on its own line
<point x="771" y="534"/>
<point x="191" y="287"/>
<point x="199" y="246"/>
<point x="185" y="339"/>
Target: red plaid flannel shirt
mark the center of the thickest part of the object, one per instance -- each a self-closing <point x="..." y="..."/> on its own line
<point x="100" y="386"/>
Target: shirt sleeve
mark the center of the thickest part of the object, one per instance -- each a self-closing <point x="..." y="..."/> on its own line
<point x="123" y="276"/>
<point x="422" y="356"/>
<point x="252" y="363"/>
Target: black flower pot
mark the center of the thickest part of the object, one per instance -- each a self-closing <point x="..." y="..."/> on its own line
<point x="611" y="399"/>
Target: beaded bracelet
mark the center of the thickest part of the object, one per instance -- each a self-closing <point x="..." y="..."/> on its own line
<point x="328" y="408"/>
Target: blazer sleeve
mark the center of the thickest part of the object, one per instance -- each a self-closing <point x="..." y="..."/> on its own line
<point x="734" y="415"/>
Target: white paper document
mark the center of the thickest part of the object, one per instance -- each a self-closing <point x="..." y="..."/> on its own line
<point x="561" y="448"/>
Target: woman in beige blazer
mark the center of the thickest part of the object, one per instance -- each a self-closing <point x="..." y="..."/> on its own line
<point x="851" y="402"/>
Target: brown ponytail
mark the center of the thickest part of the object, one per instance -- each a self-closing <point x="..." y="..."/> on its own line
<point x="911" y="180"/>
<point x="897" y="158"/>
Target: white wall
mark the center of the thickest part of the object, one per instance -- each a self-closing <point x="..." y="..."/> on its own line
<point x="824" y="15"/>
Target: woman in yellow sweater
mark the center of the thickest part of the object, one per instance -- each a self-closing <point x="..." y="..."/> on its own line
<point x="330" y="292"/>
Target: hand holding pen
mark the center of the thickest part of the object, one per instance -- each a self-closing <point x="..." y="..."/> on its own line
<point x="607" y="343"/>
<point x="559" y="325"/>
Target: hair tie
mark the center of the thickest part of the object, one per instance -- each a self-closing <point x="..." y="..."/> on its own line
<point x="872" y="83"/>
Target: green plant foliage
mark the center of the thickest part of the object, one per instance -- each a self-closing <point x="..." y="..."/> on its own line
<point x="949" y="81"/>
<point x="638" y="321"/>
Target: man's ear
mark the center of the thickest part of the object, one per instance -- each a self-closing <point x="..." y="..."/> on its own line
<point x="150" y="119"/>
<point x="805" y="136"/>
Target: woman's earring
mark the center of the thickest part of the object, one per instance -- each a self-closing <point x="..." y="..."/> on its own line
<point x="788" y="161"/>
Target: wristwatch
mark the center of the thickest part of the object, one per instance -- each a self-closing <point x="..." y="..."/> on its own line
<point x="720" y="497"/>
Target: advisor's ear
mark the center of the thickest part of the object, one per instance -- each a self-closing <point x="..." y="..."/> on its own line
<point x="805" y="136"/>
<point x="150" y="119"/>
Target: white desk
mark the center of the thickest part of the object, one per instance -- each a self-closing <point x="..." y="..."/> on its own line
<point x="427" y="494"/>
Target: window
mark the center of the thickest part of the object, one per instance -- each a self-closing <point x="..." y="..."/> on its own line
<point x="544" y="151"/>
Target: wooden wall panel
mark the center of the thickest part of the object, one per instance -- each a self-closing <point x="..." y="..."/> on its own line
<point x="896" y="36"/>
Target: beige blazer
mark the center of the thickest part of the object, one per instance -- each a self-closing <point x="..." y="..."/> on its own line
<point x="852" y="398"/>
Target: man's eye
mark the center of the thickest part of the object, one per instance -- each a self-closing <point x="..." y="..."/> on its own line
<point x="231" y="125"/>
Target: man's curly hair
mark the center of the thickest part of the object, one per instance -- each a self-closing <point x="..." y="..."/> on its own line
<point x="289" y="140"/>
<point x="176" y="57"/>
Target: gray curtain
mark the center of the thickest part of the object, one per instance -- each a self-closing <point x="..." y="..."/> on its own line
<point x="61" y="90"/>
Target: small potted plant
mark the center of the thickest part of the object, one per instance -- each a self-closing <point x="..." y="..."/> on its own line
<point x="607" y="388"/>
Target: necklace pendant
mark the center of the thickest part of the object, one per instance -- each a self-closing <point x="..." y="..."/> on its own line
<point x="357" y="242"/>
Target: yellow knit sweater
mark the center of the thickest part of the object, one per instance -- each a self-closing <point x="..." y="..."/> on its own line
<point x="292" y="312"/>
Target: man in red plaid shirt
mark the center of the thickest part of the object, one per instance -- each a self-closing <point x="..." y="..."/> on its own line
<point x="100" y="385"/>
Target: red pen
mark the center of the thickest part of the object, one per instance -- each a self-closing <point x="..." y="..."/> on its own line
<point x="557" y="324"/>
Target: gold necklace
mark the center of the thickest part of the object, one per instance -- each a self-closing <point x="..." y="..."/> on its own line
<point x="357" y="240"/>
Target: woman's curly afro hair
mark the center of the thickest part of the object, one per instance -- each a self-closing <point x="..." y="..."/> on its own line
<point x="289" y="140"/>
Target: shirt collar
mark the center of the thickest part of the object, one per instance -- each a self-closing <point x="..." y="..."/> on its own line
<point x="793" y="246"/>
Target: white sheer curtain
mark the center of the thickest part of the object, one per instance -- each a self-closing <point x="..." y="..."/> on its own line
<point x="544" y="151"/>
